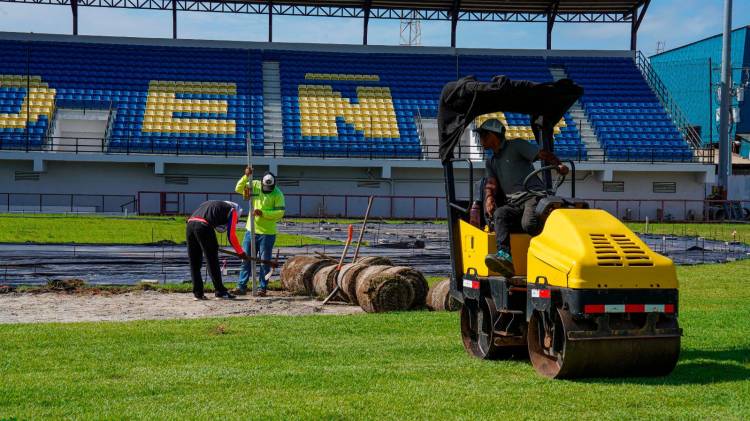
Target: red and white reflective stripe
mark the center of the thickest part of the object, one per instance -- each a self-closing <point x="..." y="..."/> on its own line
<point x="471" y="284"/>
<point x="541" y="293"/>
<point x="628" y="308"/>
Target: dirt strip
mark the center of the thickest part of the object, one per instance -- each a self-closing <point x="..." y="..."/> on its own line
<point x="149" y="305"/>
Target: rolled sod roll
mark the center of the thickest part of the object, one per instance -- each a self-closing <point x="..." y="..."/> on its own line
<point x="439" y="299"/>
<point x="374" y="260"/>
<point x="417" y="281"/>
<point x="379" y="292"/>
<point x="298" y="272"/>
<point x="324" y="281"/>
<point x="347" y="279"/>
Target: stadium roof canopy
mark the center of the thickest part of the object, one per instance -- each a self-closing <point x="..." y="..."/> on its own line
<point x="544" y="11"/>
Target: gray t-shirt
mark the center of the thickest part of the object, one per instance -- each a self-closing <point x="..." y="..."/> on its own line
<point x="512" y="164"/>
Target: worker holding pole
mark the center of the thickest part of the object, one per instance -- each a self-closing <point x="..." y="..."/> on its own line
<point x="268" y="208"/>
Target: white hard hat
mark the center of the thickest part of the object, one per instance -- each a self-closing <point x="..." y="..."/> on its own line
<point x="268" y="182"/>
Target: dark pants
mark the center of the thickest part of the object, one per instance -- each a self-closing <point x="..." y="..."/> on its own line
<point x="264" y="251"/>
<point x="201" y="240"/>
<point x="516" y="218"/>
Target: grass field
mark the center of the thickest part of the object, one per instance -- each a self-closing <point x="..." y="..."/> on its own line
<point x="83" y="229"/>
<point x="712" y="231"/>
<point x="373" y="366"/>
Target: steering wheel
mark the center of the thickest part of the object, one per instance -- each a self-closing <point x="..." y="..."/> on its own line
<point x="545" y="192"/>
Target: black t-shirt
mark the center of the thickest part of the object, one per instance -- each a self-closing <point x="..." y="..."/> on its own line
<point x="215" y="212"/>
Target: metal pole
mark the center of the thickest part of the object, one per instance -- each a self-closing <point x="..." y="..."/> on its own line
<point x="725" y="86"/>
<point x="710" y="102"/>
<point x="174" y="19"/>
<point x="270" y="21"/>
<point x="251" y="217"/>
<point x="28" y="94"/>
<point x="74" y="11"/>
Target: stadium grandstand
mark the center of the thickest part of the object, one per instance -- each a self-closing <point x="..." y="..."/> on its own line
<point x="109" y="124"/>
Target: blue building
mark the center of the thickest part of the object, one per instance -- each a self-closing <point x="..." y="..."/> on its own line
<point x="690" y="72"/>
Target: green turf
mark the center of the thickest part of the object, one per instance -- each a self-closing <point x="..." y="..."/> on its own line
<point x="386" y="366"/>
<point x="83" y="229"/>
<point x="723" y="232"/>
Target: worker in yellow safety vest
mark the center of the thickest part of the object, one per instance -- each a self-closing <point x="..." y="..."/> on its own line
<point x="268" y="205"/>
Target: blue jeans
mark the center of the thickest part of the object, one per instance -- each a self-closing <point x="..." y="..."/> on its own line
<point x="264" y="247"/>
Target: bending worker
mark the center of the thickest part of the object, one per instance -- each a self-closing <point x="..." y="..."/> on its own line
<point x="510" y="164"/>
<point x="268" y="209"/>
<point x="201" y="240"/>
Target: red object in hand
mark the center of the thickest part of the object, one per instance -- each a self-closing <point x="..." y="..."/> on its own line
<point x="258" y="212"/>
<point x="562" y="169"/>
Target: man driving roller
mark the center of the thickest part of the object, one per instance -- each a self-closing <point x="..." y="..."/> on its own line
<point x="505" y="172"/>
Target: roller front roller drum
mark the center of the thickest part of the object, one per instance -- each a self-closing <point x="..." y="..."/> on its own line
<point x="563" y="348"/>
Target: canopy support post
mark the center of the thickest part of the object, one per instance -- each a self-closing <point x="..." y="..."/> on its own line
<point x="454" y="21"/>
<point x="270" y="21"/>
<point x="366" y="23"/>
<point x="174" y="19"/>
<point x="551" y="16"/>
<point x="636" y="23"/>
<point x="74" y="11"/>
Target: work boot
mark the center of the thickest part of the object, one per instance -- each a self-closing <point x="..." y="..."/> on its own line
<point x="239" y="291"/>
<point x="224" y="295"/>
<point x="501" y="263"/>
<point x="261" y="292"/>
<point x="200" y="298"/>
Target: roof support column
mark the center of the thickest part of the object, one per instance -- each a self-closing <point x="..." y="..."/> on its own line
<point x="636" y="23"/>
<point x="174" y="19"/>
<point x="366" y="21"/>
<point x="270" y="21"/>
<point x="551" y="16"/>
<point x="454" y="21"/>
<point x="74" y="10"/>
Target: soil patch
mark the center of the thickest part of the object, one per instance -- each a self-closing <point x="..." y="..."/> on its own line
<point x="65" y="306"/>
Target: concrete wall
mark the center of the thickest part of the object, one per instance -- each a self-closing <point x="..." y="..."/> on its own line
<point x="316" y="191"/>
<point x="739" y="187"/>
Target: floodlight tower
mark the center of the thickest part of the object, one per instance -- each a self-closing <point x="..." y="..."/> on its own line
<point x="411" y="30"/>
<point x="725" y="151"/>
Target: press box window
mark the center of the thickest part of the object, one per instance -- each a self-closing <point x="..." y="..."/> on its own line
<point x="665" y="187"/>
<point x="613" y="186"/>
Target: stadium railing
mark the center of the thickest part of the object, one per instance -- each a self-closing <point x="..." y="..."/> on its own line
<point x="352" y="206"/>
<point x="67" y="203"/>
<point x="433" y="207"/>
<point x="670" y="104"/>
<point x="362" y="150"/>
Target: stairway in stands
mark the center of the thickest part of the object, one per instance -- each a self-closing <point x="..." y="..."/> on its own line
<point x="272" y="119"/>
<point x="588" y="136"/>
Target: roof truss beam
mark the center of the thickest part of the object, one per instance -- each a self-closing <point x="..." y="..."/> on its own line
<point x="261" y="8"/>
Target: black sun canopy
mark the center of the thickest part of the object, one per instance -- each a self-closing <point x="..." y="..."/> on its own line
<point x="465" y="99"/>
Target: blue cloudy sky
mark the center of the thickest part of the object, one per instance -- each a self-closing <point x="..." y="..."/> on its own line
<point x="675" y="22"/>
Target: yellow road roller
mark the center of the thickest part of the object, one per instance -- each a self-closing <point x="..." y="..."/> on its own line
<point x="589" y="298"/>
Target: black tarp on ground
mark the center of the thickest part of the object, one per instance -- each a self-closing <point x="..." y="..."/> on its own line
<point x="467" y="98"/>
